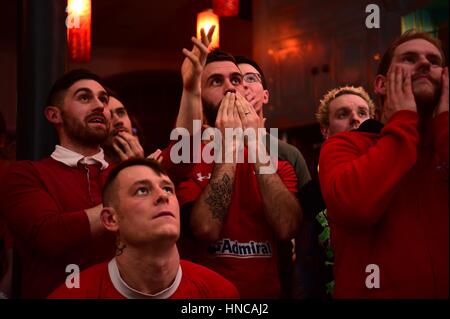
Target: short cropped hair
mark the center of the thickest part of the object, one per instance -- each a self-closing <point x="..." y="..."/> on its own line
<point x="322" y="114"/>
<point x="218" y="55"/>
<point x="386" y="60"/>
<point x="240" y="59"/>
<point x="56" y="95"/>
<point x="108" y="192"/>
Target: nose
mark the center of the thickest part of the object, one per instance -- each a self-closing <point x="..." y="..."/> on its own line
<point x="161" y="197"/>
<point x="423" y="64"/>
<point x="116" y="120"/>
<point x="355" y="120"/>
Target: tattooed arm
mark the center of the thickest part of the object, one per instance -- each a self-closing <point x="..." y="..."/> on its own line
<point x="211" y="207"/>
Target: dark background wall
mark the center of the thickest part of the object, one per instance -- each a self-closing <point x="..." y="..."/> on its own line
<point x="305" y="47"/>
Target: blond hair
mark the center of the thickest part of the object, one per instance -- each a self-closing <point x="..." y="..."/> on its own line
<point x="322" y="114"/>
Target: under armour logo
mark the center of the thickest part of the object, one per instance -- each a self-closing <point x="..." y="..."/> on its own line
<point x="201" y="178"/>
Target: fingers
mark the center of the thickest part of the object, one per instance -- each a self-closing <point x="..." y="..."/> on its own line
<point x="192" y="57"/>
<point x="230" y="104"/>
<point x="210" y="33"/>
<point x="444" y="94"/>
<point x="398" y="79"/>
<point x="156" y="155"/>
<point x="407" y="84"/>
<point x="443" y="100"/>
<point x="222" y="112"/>
<point x="241" y="110"/>
<point x="130" y="146"/>
<point x="119" y="151"/>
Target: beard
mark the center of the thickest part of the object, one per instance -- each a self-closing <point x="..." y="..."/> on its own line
<point x="81" y="132"/>
<point x="427" y="98"/>
<point x="210" y="111"/>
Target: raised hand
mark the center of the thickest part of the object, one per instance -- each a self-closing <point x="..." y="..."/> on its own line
<point x="399" y="91"/>
<point x="127" y="146"/>
<point x="443" y="101"/>
<point x="195" y="60"/>
<point x="156" y="155"/>
<point x="227" y="120"/>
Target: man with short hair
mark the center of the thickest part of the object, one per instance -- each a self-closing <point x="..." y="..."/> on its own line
<point x="386" y="186"/>
<point x="234" y="212"/>
<point x="344" y="109"/>
<point x="257" y="93"/>
<point x="122" y="142"/>
<point x="141" y="208"/>
<point x="52" y="206"/>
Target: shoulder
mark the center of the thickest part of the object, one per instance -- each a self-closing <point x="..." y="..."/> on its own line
<point x="209" y="283"/>
<point x="90" y="282"/>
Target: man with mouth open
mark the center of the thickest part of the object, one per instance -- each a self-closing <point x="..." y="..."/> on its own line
<point x="141" y="208"/>
<point x="52" y="206"/>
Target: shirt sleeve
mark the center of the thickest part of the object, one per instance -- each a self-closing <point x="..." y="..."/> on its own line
<point x="34" y="218"/>
<point x="359" y="172"/>
<point x="287" y="175"/>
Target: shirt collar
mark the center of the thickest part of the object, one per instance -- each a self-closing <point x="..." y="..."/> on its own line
<point x="71" y="158"/>
<point x="131" y="293"/>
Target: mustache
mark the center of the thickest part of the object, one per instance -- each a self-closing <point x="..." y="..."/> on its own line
<point x="96" y="116"/>
<point x="425" y="75"/>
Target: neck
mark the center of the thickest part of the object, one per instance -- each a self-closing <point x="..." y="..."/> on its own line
<point x="85" y="150"/>
<point x="149" y="271"/>
<point x="111" y="155"/>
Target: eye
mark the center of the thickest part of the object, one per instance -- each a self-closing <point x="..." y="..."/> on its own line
<point x="168" y="189"/>
<point x="84" y="98"/>
<point x="216" y="82"/>
<point x="408" y="59"/>
<point x="250" y="78"/>
<point x="342" y="115"/>
<point x="104" y="99"/>
<point x="236" y="80"/>
<point x="121" y="113"/>
<point x="435" y="60"/>
<point x="362" y="113"/>
<point x="142" y="191"/>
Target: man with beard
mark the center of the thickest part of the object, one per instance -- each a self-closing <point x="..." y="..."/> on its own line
<point x="52" y="206"/>
<point x="234" y="212"/>
<point x="386" y="187"/>
<point x="122" y="142"/>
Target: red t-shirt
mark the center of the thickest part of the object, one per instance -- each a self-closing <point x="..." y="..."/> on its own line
<point x="197" y="282"/>
<point x="246" y="253"/>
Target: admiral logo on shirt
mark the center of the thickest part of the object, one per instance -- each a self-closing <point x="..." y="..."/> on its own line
<point x="232" y="248"/>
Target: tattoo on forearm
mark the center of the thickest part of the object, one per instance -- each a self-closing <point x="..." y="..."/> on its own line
<point x="220" y="197"/>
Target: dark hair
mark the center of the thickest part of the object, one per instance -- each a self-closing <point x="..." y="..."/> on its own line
<point x="56" y="95"/>
<point x="154" y="165"/>
<point x="240" y="59"/>
<point x="386" y="60"/>
<point x="217" y="55"/>
<point x="112" y="93"/>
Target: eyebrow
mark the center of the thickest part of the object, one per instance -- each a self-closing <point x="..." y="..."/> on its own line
<point x="215" y="75"/>
<point x="87" y="90"/>
<point x="147" y="182"/>
<point x="117" y="109"/>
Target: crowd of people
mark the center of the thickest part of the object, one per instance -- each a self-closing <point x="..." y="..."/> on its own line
<point x="223" y="225"/>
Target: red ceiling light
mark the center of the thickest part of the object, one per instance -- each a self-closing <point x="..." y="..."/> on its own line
<point x="226" y="8"/>
<point x="78" y="24"/>
<point x="206" y="19"/>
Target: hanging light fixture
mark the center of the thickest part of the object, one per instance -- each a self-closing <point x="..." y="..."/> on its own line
<point x="226" y="8"/>
<point x="205" y="20"/>
<point x="78" y="24"/>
